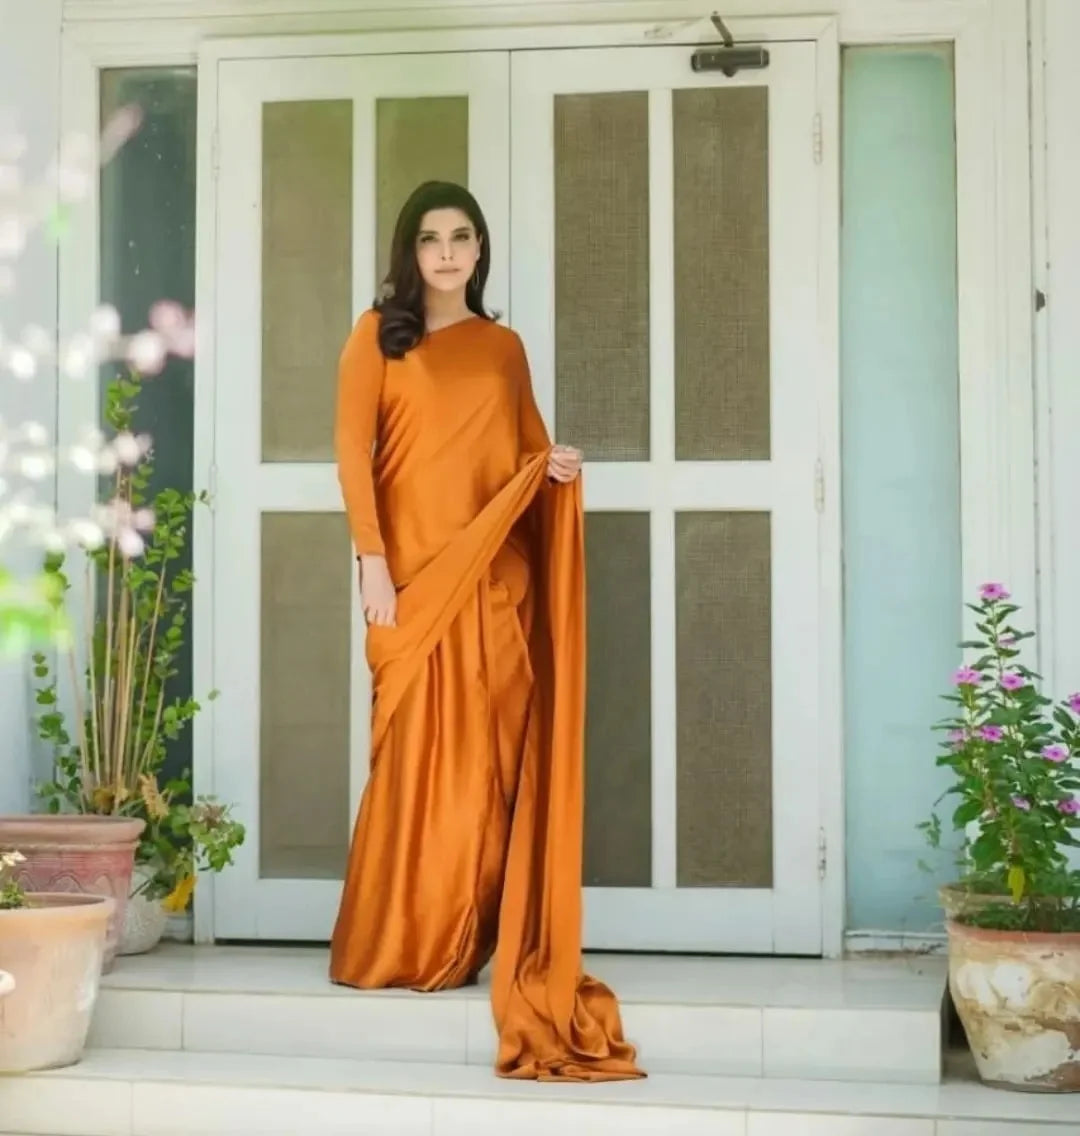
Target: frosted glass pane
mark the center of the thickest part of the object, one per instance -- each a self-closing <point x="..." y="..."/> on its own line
<point x="618" y="721"/>
<point x="602" y="274"/>
<point x="901" y="466"/>
<point x="724" y="705"/>
<point x="304" y="642"/>
<point x="306" y="273"/>
<point x="721" y="144"/>
<point x="417" y="140"/>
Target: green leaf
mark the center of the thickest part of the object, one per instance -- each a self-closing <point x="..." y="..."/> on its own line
<point x="967" y="812"/>
<point x="1016" y="880"/>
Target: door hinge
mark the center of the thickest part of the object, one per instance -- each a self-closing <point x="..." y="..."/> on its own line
<point x="215" y="153"/>
<point x="822" y="854"/>
<point x="819" y="140"/>
<point x="819" y="486"/>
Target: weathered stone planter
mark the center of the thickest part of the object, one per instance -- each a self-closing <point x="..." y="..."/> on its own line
<point x="144" y="919"/>
<point x="88" y="855"/>
<point x="53" y="950"/>
<point x="1018" y="996"/>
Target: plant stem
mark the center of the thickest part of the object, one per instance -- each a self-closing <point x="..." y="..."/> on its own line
<point x="148" y="669"/>
<point x="127" y="726"/>
<point x="80" y="717"/>
<point x="95" y="730"/>
<point x="107" y="708"/>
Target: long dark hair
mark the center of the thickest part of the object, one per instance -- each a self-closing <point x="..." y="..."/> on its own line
<point x="402" y="303"/>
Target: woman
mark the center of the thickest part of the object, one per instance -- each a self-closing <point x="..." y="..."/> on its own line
<point x="467" y="525"/>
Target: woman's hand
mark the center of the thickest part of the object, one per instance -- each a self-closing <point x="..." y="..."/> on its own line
<point x="377" y="592"/>
<point x="564" y="464"/>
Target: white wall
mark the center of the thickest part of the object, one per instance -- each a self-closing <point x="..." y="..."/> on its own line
<point x="29" y="99"/>
<point x="1060" y="344"/>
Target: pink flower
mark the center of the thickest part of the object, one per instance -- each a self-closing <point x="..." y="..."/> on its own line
<point x="994" y="592"/>
<point x="967" y="676"/>
<point x="175" y="326"/>
<point x="957" y="738"/>
<point x="1070" y="806"/>
<point x="1056" y="753"/>
<point x="1073" y="702"/>
<point x="1022" y="803"/>
<point x="991" y="733"/>
<point x="1012" y="681"/>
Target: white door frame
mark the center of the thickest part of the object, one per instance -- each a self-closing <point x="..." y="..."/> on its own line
<point x="994" y="253"/>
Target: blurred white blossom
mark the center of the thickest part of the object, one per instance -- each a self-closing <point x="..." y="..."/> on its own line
<point x="129" y="449"/>
<point x="104" y="324"/>
<point x="79" y="357"/>
<point x="146" y="352"/>
<point x="21" y="363"/>
<point x="31" y="202"/>
<point x="86" y="533"/>
<point x="12" y="235"/>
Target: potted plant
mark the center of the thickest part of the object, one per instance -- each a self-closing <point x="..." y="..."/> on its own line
<point x="180" y="841"/>
<point x="1014" y="917"/>
<point x="32" y="613"/>
<point x="105" y="806"/>
<point x="51" y="951"/>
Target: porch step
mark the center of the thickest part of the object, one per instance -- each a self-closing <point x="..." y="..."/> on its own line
<point x="812" y="1020"/>
<point x="140" y="1093"/>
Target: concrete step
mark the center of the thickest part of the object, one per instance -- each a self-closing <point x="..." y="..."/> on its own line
<point x="180" y="1093"/>
<point x="809" y="1020"/>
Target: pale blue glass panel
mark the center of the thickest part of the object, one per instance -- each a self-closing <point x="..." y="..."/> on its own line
<point x="901" y="462"/>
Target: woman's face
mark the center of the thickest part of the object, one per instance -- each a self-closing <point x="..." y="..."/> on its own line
<point x="447" y="249"/>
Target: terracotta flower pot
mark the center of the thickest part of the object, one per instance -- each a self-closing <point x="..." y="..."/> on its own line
<point x="53" y="949"/>
<point x="89" y="855"/>
<point x="1018" y="996"/>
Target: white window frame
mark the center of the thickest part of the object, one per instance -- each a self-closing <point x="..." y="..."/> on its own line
<point x="1055" y="87"/>
<point x="993" y="234"/>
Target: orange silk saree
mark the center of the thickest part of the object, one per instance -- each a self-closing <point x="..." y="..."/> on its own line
<point x="468" y="844"/>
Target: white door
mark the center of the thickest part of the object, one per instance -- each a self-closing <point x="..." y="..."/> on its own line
<point x="664" y="276"/>
<point x="314" y="158"/>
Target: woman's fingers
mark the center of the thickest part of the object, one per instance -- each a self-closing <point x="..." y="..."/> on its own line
<point x="564" y="466"/>
<point x="380" y="616"/>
